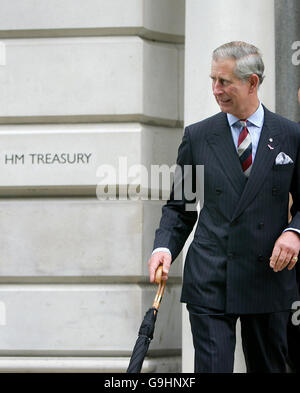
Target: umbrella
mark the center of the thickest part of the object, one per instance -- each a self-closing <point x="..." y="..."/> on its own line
<point x="147" y="328"/>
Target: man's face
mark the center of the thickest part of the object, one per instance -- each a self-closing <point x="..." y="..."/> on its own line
<point x="231" y="93"/>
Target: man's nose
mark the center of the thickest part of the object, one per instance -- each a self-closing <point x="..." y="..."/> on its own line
<point x="217" y="88"/>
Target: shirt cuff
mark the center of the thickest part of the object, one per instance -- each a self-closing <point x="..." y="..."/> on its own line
<point x="161" y="249"/>
<point x="292" y="229"/>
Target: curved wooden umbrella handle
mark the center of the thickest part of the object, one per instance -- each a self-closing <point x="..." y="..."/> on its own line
<point x="161" y="287"/>
<point x="158" y="274"/>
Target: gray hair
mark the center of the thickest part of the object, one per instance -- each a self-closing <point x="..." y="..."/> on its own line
<point x="248" y="59"/>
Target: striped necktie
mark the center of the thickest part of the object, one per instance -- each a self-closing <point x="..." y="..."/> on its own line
<point x="245" y="148"/>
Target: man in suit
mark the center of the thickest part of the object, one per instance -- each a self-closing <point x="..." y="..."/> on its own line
<point x="241" y="261"/>
<point x="293" y="330"/>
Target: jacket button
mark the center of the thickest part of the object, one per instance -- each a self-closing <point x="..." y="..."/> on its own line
<point x="261" y="225"/>
<point x="260" y="258"/>
<point x="274" y="191"/>
<point x="218" y="191"/>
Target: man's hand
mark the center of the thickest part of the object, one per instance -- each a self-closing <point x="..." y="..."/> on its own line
<point x="159" y="258"/>
<point x="285" y="251"/>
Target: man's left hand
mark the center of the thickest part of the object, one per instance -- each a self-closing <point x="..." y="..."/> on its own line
<point x="285" y="251"/>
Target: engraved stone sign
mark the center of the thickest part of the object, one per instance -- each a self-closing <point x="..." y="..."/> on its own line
<point x="66" y="158"/>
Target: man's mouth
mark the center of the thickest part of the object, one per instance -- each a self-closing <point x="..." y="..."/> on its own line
<point x="224" y="101"/>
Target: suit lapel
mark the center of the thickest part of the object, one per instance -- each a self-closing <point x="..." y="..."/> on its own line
<point x="221" y="142"/>
<point x="268" y="148"/>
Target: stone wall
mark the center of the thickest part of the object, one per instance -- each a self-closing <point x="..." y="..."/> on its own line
<point x="84" y="84"/>
<point x="287" y="16"/>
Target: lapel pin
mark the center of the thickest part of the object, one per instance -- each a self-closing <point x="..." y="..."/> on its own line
<point x="270" y="147"/>
<point x="271" y="140"/>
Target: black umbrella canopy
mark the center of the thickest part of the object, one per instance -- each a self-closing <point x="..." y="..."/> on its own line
<point x="146" y="330"/>
<point x="142" y="343"/>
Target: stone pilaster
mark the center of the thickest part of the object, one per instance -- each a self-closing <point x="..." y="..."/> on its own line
<point x="287" y="16"/>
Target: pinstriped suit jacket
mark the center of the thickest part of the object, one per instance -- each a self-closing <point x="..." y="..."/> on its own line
<point x="227" y="264"/>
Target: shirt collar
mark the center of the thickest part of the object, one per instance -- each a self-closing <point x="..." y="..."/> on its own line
<point x="257" y="118"/>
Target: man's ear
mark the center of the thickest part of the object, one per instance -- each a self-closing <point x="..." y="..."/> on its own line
<point x="254" y="82"/>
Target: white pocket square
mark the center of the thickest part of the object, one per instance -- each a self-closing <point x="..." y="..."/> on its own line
<point x="283" y="159"/>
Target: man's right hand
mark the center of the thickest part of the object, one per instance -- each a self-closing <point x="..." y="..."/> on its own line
<point x="159" y="258"/>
